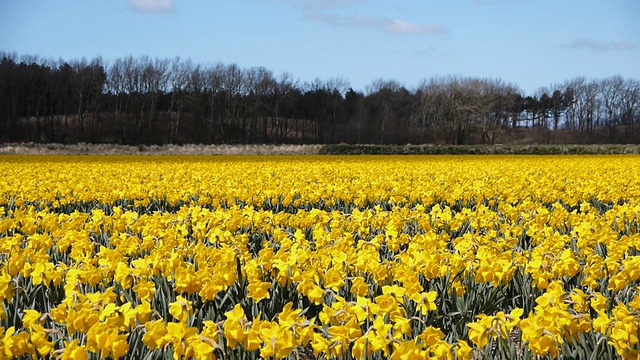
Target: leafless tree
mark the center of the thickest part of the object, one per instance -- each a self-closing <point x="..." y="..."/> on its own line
<point x="381" y="91"/>
<point x="431" y="94"/>
<point x="611" y="90"/>
<point x="213" y="79"/>
<point x="631" y="108"/>
<point x="180" y="87"/>
<point x="497" y="99"/>
<point x="574" y="91"/>
<point x="146" y="100"/>
<point x="116" y="86"/>
<point x="234" y="85"/>
<point x="154" y="81"/>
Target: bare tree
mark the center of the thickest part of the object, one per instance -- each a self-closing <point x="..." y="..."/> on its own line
<point x="213" y="79"/>
<point x="336" y="87"/>
<point x="631" y="108"/>
<point x="432" y="101"/>
<point x="284" y="87"/>
<point x="117" y="88"/>
<point x="381" y="92"/>
<point x="154" y="81"/>
<point x="180" y="86"/>
<point x="196" y="103"/>
<point x="234" y="85"/>
<point x="496" y="98"/>
<point x="611" y="90"/>
<point x="89" y="84"/>
<point x="464" y="104"/>
<point x="145" y="100"/>
<point x="135" y="104"/>
<point x="591" y="106"/>
<point x="558" y="105"/>
<point x="574" y="90"/>
<point x="355" y="112"/>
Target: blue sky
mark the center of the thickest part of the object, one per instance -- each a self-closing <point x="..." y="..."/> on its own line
<point x="532" y="43"/>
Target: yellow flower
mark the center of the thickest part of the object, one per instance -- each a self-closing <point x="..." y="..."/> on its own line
<point x="288" y="317"/>
<point x="407" y="350"/>
<point x="387" y="303"/>
<point x="258" y="290"/>
<point x="362" y="346"/>
<point x="426" y="301"/>
<point x="635" y="302"/>
<point x="343" y="335"/>
<point x="463" y="350"/>
<point x="401" y="326"/>
<point x="479" y="331"/>
<point x="180" y="309"/>
<point x="359" y="287"/>
<point x="180" y="336"/>
<point x="395" y="290"/>
<point x="30" y="318"/>
<point x="73" y="351"/>
<point x="143" y="311"/>
<point x="118" y="344"/>
<point x="579" y="300"/>
<point x="541" y="341"/>
<point x="40" y="340"/>
<point x="233" y="326"/>
<point x="623" y="333"/>
<point x="430" y="336"/>
<point x="365" y="308"/>
<point x="145" y="290"/>
<point x="312" y="291"/>
<point x="375" y="230"/>
<point x="599" y="303"/>
<point x="154" y="336"/>
<point x="333" y="278"/>
<point x="253" y="340"/>
<point x="278" y="341"/>
<point x="203" y="349"/>
<point x="320" y="344"/>
<point x="123" y="275"/>
<point x="6" y="287"/>
<point x="42" y="273"/>
<point x="16" y="345"/>
<point x="381" y="338"/>
<point x="186" y="280"/>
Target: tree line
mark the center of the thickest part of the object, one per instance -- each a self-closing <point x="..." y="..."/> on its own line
<point x="144" y="100"/>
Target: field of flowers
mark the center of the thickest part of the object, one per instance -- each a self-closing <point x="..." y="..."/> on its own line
<point x="310" y="257"/>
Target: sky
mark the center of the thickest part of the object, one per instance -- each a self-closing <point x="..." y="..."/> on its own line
<point x="532" y="43"/>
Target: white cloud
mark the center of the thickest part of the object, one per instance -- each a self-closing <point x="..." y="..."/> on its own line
<point x="397" y="26"/>
<point x="318" y="10"/>
<point x="391" y="26"/>
<point x="152" y="5"/>
<point x="321" y="5"/>
<point x="600" y="46"/>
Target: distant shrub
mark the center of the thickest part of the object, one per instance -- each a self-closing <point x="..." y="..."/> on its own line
<point x="349" y="149"/>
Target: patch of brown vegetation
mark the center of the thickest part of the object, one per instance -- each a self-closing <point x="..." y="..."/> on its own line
<point x="193" y="149"/>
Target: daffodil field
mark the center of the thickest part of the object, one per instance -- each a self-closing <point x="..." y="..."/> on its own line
<point x="301" y="257"/>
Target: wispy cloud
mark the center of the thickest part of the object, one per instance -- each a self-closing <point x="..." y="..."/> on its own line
<point x="384" y="24"/>
<point x="324" y="11"/>
<point x="321" y="5"/>
<point x="600" y="46"/>
<point x="398" y="26"/>
<point x="151" y="5"/>
<point x="425" y="52"/>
